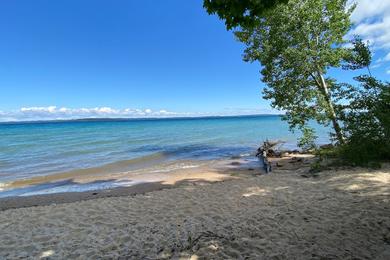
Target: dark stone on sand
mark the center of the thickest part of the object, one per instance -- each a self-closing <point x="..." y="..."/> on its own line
<point x="235" y="163"/>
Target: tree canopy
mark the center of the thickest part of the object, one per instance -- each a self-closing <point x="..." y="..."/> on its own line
<point x="297" y="44"/>
<point x="239" y="12"/>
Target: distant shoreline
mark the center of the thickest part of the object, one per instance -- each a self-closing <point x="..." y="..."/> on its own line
<point x="125" y="119"/>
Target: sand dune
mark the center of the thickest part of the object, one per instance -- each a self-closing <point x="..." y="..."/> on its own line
<point x="343" y="215"/>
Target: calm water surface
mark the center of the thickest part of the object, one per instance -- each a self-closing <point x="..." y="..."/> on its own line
<point x="35" y="149"/>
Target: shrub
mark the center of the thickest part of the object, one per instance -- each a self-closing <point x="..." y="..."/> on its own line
<point x="367" y="124"/>
<point x="307" y="141"/>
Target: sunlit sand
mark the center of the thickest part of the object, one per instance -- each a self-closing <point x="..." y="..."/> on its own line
<point x="343" y="214"/>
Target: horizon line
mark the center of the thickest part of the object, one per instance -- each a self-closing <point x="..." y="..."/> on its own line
<point x="97" y="119"/>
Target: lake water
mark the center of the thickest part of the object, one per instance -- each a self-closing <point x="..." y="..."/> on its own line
<point x="46" y="148"/>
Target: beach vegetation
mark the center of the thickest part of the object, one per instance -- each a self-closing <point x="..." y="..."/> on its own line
<point x="297" y="43"/>
<point x="366" y="123"/>
<point x="307" y="140"/>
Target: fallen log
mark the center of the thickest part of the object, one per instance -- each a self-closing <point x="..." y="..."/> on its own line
<point x="267" y="149"/>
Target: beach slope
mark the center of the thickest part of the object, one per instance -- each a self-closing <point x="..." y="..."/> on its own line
<point x="338" y="215"/>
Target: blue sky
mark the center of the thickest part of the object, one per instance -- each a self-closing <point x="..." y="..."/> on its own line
<point x="149" y="57"/>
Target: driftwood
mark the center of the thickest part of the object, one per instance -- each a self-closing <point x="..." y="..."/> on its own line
<point x="266" y="150"/>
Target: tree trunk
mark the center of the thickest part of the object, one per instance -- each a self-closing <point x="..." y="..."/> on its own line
<point x="332" y="113"/>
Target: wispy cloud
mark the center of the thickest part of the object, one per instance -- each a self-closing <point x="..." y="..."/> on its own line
<point x="372" y="23"/>
<point x="64" y="113"/>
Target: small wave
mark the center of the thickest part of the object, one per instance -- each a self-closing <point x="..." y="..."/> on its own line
<point x="173" y="167"/>
<point x="136" y="162"/>
<point x="190" y="166"/>
<point x="3" y="186"/>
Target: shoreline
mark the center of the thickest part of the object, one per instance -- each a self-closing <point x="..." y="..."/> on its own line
<point x="16" y="202"/>
<point x="214" y="171"/>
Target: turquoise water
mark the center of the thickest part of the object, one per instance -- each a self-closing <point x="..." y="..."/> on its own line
<point x="44" y="148"/>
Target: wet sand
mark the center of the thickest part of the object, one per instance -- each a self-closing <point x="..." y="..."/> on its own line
<point x="210" y="171"/>
<point x="115" y="174"/>
<point x="342" y="214"/>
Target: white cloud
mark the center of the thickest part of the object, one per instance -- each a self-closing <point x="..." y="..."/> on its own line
<point x="372" y="23"/>
<point x="367" y="9"/>
<point x="388" y="72"/>
<point x="53" y="112"/>
<point x="50" y="109"/>
<point x="64" y="113"/>
<point x="387" y="57"/>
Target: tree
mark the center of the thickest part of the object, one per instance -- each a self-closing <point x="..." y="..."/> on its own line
<point x="297" y="43"/>
<point x="359" y="57"/>
<point x="239" y="12"/>
<point x="366" y="121"/>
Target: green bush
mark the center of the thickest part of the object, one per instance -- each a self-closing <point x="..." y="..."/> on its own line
<point x="367" y="124"/>
<point x="365" y="153"/>
<point x="307" y="140"/>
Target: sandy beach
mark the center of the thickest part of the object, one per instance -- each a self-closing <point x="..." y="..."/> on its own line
<point x="342" y="214"/>
<point x="195" y="130"/>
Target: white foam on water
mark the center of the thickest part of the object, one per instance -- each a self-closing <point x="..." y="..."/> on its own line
<point x="174" y="167"/>
<point x="3" y="186"/>
<point x="190" y="166"/>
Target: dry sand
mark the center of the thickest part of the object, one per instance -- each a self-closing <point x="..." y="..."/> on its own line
<point x="338" y="215"/>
